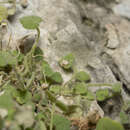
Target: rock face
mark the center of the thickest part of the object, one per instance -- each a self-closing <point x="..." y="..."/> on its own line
<point x="98" y="38"/>
<point x="120" y="57"/>
<point x="123" y="9"/>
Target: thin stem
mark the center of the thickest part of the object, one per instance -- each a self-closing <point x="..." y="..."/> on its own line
<point x="36" y="41"/>
<point x="10" y="38"/>
<point x="0" y="44"/>
<point x="52" y="114"/>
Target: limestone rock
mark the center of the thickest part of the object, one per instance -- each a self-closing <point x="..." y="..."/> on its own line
<point x="123" y="9"/>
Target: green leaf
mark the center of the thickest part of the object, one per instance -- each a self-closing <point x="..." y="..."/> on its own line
<point x="67" y="62"/>
<point x="1" y="123"/>
<point x="108" y="124"/>
<point x="3" y="13"/>
<point x="55" y="89"/>
<point x="40" y="116"/>
<point x="6" y="58"/>
<point x="30" y="22"/>
<point x="7" y="104"/>
<point x="117" y="88"/>
<point x="38" y="54"/>
<point x="60" y="122"/>
<point x="22" y="97"/>
<point x="125" y="119"/>
<point x="47" y="69"/>
<point x="82" y="76"/>
<point x="102" y="94"/>
<point x="37" y="97"/>
<point x="90" y="95"/>
<point x="80" y="88"/>
<point x="18" y="55"/>
<point x="40" y="126"/>
<point x="56" y="77"/>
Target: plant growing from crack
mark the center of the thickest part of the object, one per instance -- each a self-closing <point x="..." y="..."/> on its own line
<point x="32" y="23"/>
<point x="24" y="80"/>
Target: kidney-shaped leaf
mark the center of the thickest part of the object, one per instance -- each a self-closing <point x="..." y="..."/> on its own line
<point x="30" y="22"/>
<point x="6" y="58"/>
<point x="108" y="124"/>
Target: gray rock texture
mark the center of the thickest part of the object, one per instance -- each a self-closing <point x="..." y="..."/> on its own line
<point x="98" y="38"/>
<point x="123" y="9"/>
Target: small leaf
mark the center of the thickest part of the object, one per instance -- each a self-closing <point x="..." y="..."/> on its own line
<point x="90" y="95"/>
<point x="117" y="88"/>
<point x="82" y="76"/>
<point x="38" y="54"/>
<point x="19" y="56"/>
<point x="60" y="122"/>
<point x="55" y="89"/>
<point x="37" y="97"/>
<point x="47" y="69"/>
<point x="80" y="88"/>
<point x="40" y="116"/>
<point x="102" y="94"/>
<point x="56" y="77"/>
<point x="6" y="58"/>
<point x="67" y="62"/>
<point x="7" y="103"/>
<point x="125" y="119"/>
<point x="108" y="124"/>
<point x="30" y="22"/>
<point x="22" y="96"/>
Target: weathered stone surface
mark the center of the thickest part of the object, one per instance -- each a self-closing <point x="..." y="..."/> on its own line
<point x="113" y="41"/>
<point x="78" y="27"/>
<point x="99" y="71"/>
<point x="123" y="9"/>
<point x="120" y="58"/>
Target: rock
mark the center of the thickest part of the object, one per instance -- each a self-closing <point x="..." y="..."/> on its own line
<point x="78" y="27"/>
<point x="100" y="72"/>
<point x="113" y="41"/>
<point x="26" y="42"/>
<point x="24" y="3"/>
<point x="112" y="107"/>
<point x="123" y="9"/>
<point x="95" y="113"/>
<point x="119" y="59"/>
